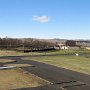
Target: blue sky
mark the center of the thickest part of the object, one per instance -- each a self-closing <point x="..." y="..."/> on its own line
<point x="65" y="19"/>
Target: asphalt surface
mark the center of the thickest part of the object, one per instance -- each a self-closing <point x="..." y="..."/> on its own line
<point x="60" y="78"/>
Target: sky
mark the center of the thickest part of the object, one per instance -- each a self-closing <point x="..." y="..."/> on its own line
<point x="62" y="19"/>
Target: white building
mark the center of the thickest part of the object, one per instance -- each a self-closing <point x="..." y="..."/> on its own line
<point x="62" y="46"/>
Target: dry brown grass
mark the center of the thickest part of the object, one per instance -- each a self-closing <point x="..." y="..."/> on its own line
<point x="17" y="78"/>
<point x="17" y="53"/>
<point x="18" y="65"/>
<point x="9" y="53"/>
<point x="6" y="60"/>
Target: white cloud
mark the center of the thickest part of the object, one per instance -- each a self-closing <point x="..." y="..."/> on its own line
<point x="41" y="19"/>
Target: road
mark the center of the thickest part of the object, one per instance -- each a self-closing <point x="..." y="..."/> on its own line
<point x="60" y="78"/>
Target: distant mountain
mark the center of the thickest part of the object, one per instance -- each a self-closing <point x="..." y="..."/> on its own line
<point x="54" y="40"/>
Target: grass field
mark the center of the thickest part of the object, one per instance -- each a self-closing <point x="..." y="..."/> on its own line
<point x="61" y="52"/>
<point x="17" y="78"/>
<point x="80" y="64"/>
<point x="75" y="63"/>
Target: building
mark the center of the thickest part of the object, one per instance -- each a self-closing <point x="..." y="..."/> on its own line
<point x="69" y="44"/>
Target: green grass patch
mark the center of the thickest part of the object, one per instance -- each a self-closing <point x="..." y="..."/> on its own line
<point x="75" y="63"/>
